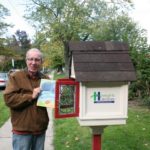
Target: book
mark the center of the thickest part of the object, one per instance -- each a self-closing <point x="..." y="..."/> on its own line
<point x="47" y="95"/>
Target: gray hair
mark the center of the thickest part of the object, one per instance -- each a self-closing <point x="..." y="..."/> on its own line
<point x="34" y="50"/>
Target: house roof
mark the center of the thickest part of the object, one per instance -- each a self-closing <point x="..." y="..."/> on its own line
<point x="101" y="61"/>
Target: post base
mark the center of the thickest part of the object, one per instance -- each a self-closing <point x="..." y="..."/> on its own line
<point x="96" y="137"/>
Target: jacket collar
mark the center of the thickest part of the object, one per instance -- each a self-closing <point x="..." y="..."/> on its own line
<point x="37" y="76"/>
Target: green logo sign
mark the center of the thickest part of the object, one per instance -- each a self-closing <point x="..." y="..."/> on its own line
<point x="99" y="97"/>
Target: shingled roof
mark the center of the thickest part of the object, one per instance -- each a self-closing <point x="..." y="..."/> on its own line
<point x="101" y="61"/>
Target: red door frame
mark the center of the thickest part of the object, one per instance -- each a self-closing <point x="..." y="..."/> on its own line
<point x="60" y="82"/>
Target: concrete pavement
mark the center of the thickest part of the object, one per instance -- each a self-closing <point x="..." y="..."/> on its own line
<point x="6" y="135"/>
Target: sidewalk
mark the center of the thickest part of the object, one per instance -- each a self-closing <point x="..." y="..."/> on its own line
<point x="6" y="135"/>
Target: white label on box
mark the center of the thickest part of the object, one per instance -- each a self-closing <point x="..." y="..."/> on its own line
<point x="100" y="97"/>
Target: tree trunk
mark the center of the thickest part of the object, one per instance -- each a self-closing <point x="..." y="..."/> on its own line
<point x="67" y="58"/>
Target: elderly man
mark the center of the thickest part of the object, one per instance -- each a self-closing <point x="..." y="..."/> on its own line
<point x="29" y="122"/>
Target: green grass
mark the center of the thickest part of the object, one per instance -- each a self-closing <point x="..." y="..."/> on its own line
<point x="69" y="135"/>
<point x="4" y="111"/>
<point x="132" y="136"/>
<point x="59" y="76"/>
<point x="135" y="135"/>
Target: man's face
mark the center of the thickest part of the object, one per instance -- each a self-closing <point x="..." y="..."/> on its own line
<point x="33" y="61"/>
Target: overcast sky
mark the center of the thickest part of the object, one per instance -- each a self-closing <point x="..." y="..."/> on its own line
<point x="16" y="8"/>
<point x="140" y="14"/>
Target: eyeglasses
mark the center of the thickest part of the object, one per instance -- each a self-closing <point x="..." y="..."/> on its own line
<point x="33" y="59"/>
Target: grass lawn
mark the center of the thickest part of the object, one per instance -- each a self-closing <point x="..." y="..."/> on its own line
<point x="4" y="111"/>
<point x="59" y="76"/>
<point x="135" y="135"/>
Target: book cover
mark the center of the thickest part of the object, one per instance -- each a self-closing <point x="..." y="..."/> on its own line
<point x="47" y="95"/>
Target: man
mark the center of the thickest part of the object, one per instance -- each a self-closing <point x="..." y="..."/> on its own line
<point x="29" y="122"/>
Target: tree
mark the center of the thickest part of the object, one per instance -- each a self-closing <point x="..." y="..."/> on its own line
<point x="13" y="49"/>
<point x="67" y="20"/>
<point x="23" y="40"/>
<point x="5" y="52"/>
<point x="4" y="12"/>
<point x="122" y="28"/>
<point x="53" y="52"/>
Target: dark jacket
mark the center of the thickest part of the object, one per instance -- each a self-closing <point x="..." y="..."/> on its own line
<point x="25" y="115"/>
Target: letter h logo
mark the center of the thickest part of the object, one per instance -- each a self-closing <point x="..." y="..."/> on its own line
<point x="96" y="96"/>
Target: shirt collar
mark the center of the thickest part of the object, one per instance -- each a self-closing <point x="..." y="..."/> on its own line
<point x="37" y="76"/>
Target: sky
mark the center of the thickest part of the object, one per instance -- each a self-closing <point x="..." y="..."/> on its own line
<point x="16" y="8"/>
<point x="140" y="15"/>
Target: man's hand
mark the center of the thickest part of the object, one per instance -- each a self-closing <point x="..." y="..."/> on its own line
<point x="36" y="92"/>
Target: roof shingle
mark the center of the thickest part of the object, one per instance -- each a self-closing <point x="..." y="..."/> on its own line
<point x="101" y="61"/>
